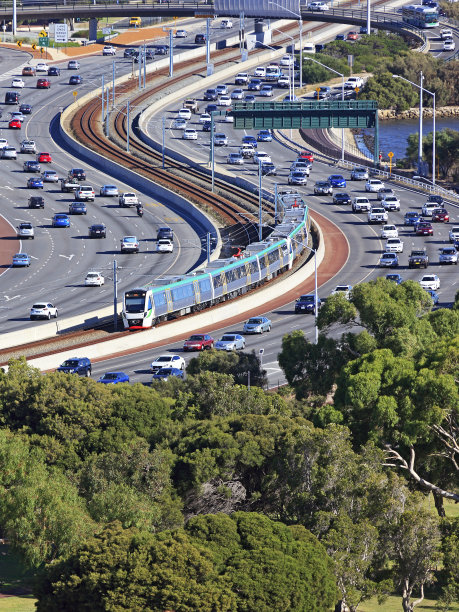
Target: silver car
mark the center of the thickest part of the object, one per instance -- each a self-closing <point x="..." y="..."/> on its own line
<point x="235" y="158"/>
<point x="359" y="174"/>
<point x="257" y="325"/>
<point x="323" y="188"/>
<point x="25" y="230"/>
<point x="50" y="176"/>
<point x="9" y="153"/>
<point x="230" y="342"/>
<point x="220" y="140"/>
<point x="109" y="191"/>
<point x="297" y="178"/>
<point x="448" y="255"/>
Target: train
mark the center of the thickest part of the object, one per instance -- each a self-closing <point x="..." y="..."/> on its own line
<point x="420" y="16"/>
<point x="223" y="279"/>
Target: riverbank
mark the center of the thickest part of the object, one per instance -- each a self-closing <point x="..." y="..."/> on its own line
<point x="443" y="112"/>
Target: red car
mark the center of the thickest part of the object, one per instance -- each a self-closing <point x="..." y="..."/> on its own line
<point x="352" y="36"/>
<point x="424" y="229"/>
<point x="440" y="215"/>
<point x="44" y="158"/>
<point x="14" y="124"/>
<point x="307" y="155"/>
<point x="43" y="84"/>
<point x="198" y="342"/>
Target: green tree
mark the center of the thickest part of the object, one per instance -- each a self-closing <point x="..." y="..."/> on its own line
<point x="236" y="364"/>
<point x="446" y="145"/>
<point x="389" y="92"/>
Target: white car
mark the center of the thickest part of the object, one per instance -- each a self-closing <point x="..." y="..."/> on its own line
<point x="224" y="101"/>
<point x="94" y="279"/>
<point x="17" y="83"/>
<point x="167" y="361"/>
<point x="449" y="45"/>
<point x="179" y="124"/>
<point x="374" y="185"/>
<point x="389" y="231"/>
<point x="184" y="113"/>
<point x="391" y="202"/>
<point x="237" y="94"/>
<point x="260" y="71"/>
<point x="109" y="50"/>
<point x="428" y="208"/>
<point x="454" y="233"/>
<point x="164" y="245"/>
<point x="287" y="60"/>
<point x="181" y="34"/>
<point x="43" y="310"/>
<point x="394" y="245"/>
<point x="430" y="281"/>
<point x="42" y="67"/>
<point x="235" y="159"/>
<point x="228" y="118"/>
<point x="318" y="6"/>
<point x="261" y="157"/>
<point x="3" y="143"/>
<point x="50" y="176"/>
<point x="344" y="290"/>
<point x="18" y="116"/>
<point x="226" y="24"/>
<point x="446" y="33"/>
<point x="299" y="166"/>
<point x="361" y="204"/>
<point x="204" y="118"/>
<point x="283" y="81"/>
<point x="190" y="134"/>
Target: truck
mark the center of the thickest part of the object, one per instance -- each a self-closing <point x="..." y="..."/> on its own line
<point x="273" y="72"/>
<point x="128" y="199"/>
<point x="418" y="259"/>
<point x="353" y="82"/>
<point x="191" y="104"/>
<point x="377" y="215"/>
<point x="246" y="150"/>
<point x="361" y="204"/>
<point x="242" y="78"/>
<point x="69" y="184"/>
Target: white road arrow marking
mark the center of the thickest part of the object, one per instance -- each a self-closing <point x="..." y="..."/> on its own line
<point x="69" y="257"/>
<point x="8" y="299"/>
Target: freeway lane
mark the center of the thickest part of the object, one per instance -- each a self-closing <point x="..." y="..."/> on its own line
<point x="61" y="257"/>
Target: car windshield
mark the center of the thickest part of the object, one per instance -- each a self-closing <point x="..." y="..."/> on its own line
<point x="61" y="217"/>
<point x="254" y="321"/>
<point x="70" y="363"/>
<point x="341" y="288"/>
<point x="110" y="376"/>
<point x="39" y="306"/>
<point x="26" y="226"/>
<point x="92" y="275"/>
<point x="196" y="337"/>
<point x="228" y="338"/>
<point x="307" y="298"/>
<point x="163" y="358"/>
<point x="98" y="227"/>
<point x="164" y="371"/>
<point x="129" y="239"/>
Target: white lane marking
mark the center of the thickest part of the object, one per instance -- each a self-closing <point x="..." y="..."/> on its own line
<point x="69" y="257"/>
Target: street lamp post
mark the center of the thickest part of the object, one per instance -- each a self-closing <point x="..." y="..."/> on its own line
<point x="310" y="59"/>
<point x="432" y="93"/>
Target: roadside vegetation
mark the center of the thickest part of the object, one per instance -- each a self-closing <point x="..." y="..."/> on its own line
<point x="451" y="9"/>
<point x="447" y="151"/>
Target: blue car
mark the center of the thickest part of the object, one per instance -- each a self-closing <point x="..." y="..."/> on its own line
<point x="434" y="295"/>
<point x="250" y="140"/>
<point x="307" y="303"/>
<point x="337" y="180"/>
<point x="166" y="373"/>
<point x="112" y="378"/>
<point x="396" y="278"/>
<point x="21" y="260"/>
<point x="264" y="136"/>
<point x="61" y="220"/>
<point x="412" y="217"/>
<point x="35" y="182"/>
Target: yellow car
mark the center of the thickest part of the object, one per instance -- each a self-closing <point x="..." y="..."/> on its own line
<point x="135" y="21"/>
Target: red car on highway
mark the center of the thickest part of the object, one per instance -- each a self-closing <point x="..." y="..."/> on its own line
<point x="307" y="155"/>
<point x="424" y="229"/>
<point x="198" y="342"/>
<point x="352" y="36"/>
<point x="43" y="84"/>
<point x="14" y="124"/>
<point x="44" y="158"/>
<point x="440" y="215"/>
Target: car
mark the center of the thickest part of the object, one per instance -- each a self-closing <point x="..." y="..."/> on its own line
<point x="77" y="173"/>
<point x="60" y="220"/>
<point x="76" y="365"/>
<point x="94" y="279"/>
<point x="324" y="92"/>
<point x="391" y="202"/>
<point x="189" y="134"/>
<point x="167" y="361"/>
<point x="242" y="78"/>
<point x="84" y="193"/>
<point x="264" y="136"/>
<point x="323" y="188"/>
<point x="75" y="79"/>
<point x="237" y="94"/>
<point x="42" y="67"/>
<point x="454" y="233"/>
<point x="249" y="98"/>
<point x="434" y="295"/>
<point x="165" y="373"/>
<point x="446" y="33"/>
<point x="220" y="140"/>
<point x="382" y="193"/>
<point x="9" y="153"/>
<point x="224" y="101"/>
<point x="179" y="124"/>
<point x="50" y="176"/>
<point x="211" y="94"/>
<point x="340" y="37"/>
<point x="423" y="228"/>
<point x="287" y="60"/>
<point x="440" y="215"/>
<point x="54" y="71"/>
<point x="396" y="278"/>
<point x="17" y="115"/>
<point x="109" y="50"/>
<point x="261" y="157"/>
<point x="25" y="230"/>
<point x="29" y="71"/>
<point x="301" y="166"/>
<point x="211" y="108"/>
<point x="109" y="191"/>
<point x="388" y="260"/>
<point x="374" y="185"/>
<point x="35" y="182"/>
<point x="251" y="140"/>
<point x="73" y="65"/>
<point x="200" y="39"/>
<point x="257" y="325"/>
<point x="283" y="81"/>
<point x="344" y="290"/>
<point x="359" y="174"/>
<point x="260" y="71"/>
<point x="204" y="118"/>
<point x="448" y="255"/>
<point x="377" y="214"/>
<point x="113" y="378"/>
<point x="247" y="150"/>
<point x="361" y="204"/>
<point x="230" y="342"/>
<point x="342" y="198"/>
<point x="12" y="97"/>
<point x="352" y="35"/>
<point x="129" y="52"/>
<point x="235" y="159"/>
<point x="3" y="143"/>
<point x="198" y="342"/>
<point x="430" y="281"/>
<point x="428" y="208"/>
<point x="353" y="82"/>
<point x="14" y="124"/>
<point x="36" y="202"/>
<point x="27" y="146"/>
<point x="181" y="34"/>
<point x="43" y="310"/>
<point x="25" y="109"/>
<point x="164" y="246"/>
<point x="226" y="24"/>
<point x="307" y="303"/>
<point x="435" y="198"/>
<point x="165" y="232"/>
<point x="297" y="178"/>
<point x="21" y="260"/>
<point x="449" y="45"/>
<point x="159" y="50"/>
<point x="184" y="113"/>
<point x="268" y="169"/>
<point x="44" y="158"/>
<point x="266" y="91"/>
<point x="77" y="208"/>
<point x="306" y="156"/>
<point x="418" y="258"/>
<point x="318" y="6"/>
<point x="17" y="83"/>
<point x="337" y="180"/>
<point x="389" y="231"/>
<point x="411" y="218"/>
<point x="393" y="245"/>
<point x="129" y="244"/>
<point x="97" y="230"/>
<point x="43" y="83"/>
<point x="254" y="85"/>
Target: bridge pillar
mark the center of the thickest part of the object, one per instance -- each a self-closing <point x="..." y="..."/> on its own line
<point x="93" y="28"/>
<point x="376" y="151"/>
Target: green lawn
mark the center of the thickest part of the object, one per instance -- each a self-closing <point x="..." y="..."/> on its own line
<point x="394" y="604"/>
<point x="26" y="603"/>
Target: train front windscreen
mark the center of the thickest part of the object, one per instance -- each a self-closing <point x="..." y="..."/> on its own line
<point x="134" y="301"/>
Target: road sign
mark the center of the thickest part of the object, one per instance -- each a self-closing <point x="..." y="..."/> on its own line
<point x="42" y="50"/>
<point x="75" y="93"/>
<point x="19" y="43"/>
<point x="390" y="154"/>
<point x="43" y="41"/>
<point x="43" y="33"/>
<point x="357" y="89"/>
<point x="34" y="46"/>
<point x="61" y="32"/>
<point x="106" y="31"/>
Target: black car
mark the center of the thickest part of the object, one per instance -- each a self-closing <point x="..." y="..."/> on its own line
<point x="129" y="52"/>
<point x="200" y="39"/>
<point x="268" y="169"/>
<point x="77" y="173"/>
<point x="207" y="126"/>
<point x="98" y="230"/>
<point x="31" y="166"/>
<point x="76" y="365"/>
<point x="161" y="50"/>
<point x="76" y="79"/>
<point x="36" y="202"/>
<point x="307" y="303"/>
<point x="25" y="109"/>
<point x="342" y="198"/>
<point x="12" y="97"/>
<point x="435" y="198"/>
<point x="54" y="71"/>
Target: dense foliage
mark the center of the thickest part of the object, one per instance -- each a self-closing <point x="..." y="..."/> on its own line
<point x="447" y="150"/>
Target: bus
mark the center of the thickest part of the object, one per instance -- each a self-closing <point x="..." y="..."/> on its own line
<point x="420" y="16"/>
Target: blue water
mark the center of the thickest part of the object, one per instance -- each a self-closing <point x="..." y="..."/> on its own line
<point x="393" y="135"/>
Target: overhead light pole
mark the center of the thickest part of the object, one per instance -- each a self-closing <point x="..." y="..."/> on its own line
<point x="432" y="93"/>
<point x="310" y="59"/>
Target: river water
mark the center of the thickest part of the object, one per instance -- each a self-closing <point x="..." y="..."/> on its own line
<point x="393" y="135"/>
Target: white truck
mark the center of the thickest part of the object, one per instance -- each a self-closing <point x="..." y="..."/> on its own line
<point x="128" y="199"/>
<point x="361" y="204"/>
<point x="353" y="82"/>
<point x="377" y="214"/>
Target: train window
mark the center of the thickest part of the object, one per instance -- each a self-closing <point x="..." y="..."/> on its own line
<point x="253" y="265"/>
<point x="231" y="275"/>
<point x="262" y="261"/>
<point x="160" y="298"/>
<point x="180" y="293"/>
<point x="273" y="256"/>
<point x="204" y="285"/>
<point x="218" y="280"/>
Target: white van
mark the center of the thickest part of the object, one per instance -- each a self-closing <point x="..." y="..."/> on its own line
<point x="309" y="47"/>
<point x="226" y="24"/>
